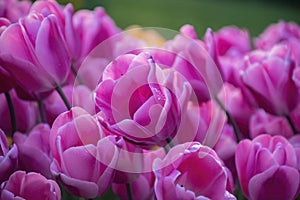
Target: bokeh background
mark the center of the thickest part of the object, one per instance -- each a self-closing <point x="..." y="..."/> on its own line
<point x="254" y="15"/>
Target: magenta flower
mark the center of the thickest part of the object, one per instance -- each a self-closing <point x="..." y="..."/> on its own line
<point x="232" y="41"/>
<point x="34" y="150"/>
<point x="92" y="28"/>
<point x="35" y="45"/>
<point x="277" y="33"/>
<point x="267" y="168"/>
<point x="31" y="186"/>
<point x="269" y="77"/>
<point x="8" y="158"/>
<point x="83" y="160"/>
<point x="14" y="9"/>
<point x="25" y="113"/>
<point x="264" y="123"/>
<point x="152" y="99"/>
<point x="191" y="171"/>
<point x="285" y="33"/>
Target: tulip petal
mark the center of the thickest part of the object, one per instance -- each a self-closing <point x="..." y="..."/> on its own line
<point x="51" y="50"/>
<point x="276" y="183"/>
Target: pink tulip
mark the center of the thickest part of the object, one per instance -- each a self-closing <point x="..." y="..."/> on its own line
<point x="31" y="186"/>
<point x="196" y="60"/>
<point x="191" y="171"/>
<point x="64" y="16"/>
<point x="25" y="113"/>
<point x="8" y="158"/>
<point x="84" y="160"/>
<point x="286" y="33"/>
<point x="262" y="123"/>
<point x="232" y="41"/>
<point x="267" y="168"/>
<point x="34" y="150"/>
<point x="14" y="9"/>
<point x="277" y="33"/>
<point x="92" y="28"/>
<point x="269" y="77"/>
<point x="152" y="100"/>
<point x="35" y="45"/>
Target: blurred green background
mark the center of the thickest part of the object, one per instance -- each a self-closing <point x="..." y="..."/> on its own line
<point x="253" y="15"/>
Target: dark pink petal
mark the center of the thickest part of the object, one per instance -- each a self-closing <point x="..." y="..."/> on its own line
<point x="280" y="182"/>
<point x="51" y="50"/>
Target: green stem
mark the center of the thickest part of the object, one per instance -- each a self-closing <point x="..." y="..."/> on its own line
<point x="231" y="120"/>
<point x="12" y="113"/>
<point x="63" y="97"/>
<point x="128" y="188"/>
<point x="169" y="145"/>
<point x="288" y="118"/>
<point x="42" y="111"/>
<point x="239" y="193"/>
<point x="74" y="71"/>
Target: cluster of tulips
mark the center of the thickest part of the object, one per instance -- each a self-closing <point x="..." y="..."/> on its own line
<point x="88" y="110"/>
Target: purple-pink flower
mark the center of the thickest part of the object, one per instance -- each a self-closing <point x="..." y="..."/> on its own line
<point x="191" y="171"/>
<point x="152" y="100"/>
<point x="269" y="78"/>
<point x="232" y="41"/>
<point x="34" y="150"/>
<point x="35" y="45"/>
<point x="262" y="123"/>
<point x="31" y="186"/>
<point x="267" y="168"/>
<point x="84" y="160"/>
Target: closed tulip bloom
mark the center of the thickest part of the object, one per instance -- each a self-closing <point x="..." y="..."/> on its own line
<point x="232" y="41"/>
<point x="276" y="33"/>
<point x="34" y="52"/>
<point x="191" y="171"/>
<point x="262" y="123"/>
<point x="8" y="158"/>
<point x="269" y="77"/>
<point x="84" y="160"/>
<point x="31" y="186"/>
<point x="92" y="28"/>
<point x="34" y="150"/>
<point x="267" y="168"/>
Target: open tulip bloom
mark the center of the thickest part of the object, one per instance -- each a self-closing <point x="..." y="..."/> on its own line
<point x="88" y="111"/>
